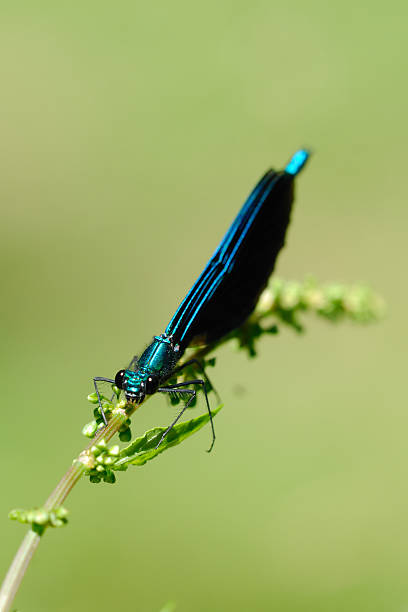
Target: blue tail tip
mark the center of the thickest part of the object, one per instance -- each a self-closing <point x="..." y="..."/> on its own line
<point x="297" y="162"/>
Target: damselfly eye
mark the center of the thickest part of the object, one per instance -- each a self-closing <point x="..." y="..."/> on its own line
<point x="151" y="384"/>
<point x="119" y="379"/>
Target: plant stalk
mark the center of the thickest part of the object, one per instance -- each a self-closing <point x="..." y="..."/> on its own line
<point x="32" y="539"/>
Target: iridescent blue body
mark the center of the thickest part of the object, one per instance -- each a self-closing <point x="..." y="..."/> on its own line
<point x="226" y="292"/>
<point x="158" y="361"/>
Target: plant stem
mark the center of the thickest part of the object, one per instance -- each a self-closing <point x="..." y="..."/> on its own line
<point x="32" y="539"/>
<point x="17" y="569"/>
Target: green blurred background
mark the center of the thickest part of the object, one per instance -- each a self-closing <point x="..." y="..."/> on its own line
<point x="130" y="135"/>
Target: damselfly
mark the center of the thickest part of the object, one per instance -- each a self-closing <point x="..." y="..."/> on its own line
<point x="223" y="296"/>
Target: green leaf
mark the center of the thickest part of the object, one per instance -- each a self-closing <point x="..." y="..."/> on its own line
<point x="143" y="449"/>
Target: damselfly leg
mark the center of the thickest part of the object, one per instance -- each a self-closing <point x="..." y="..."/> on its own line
<point x="202" y="371"/>
<point x="96" y="380"/>
<point x="133" y="364"/>
<point x="180" y="388"/>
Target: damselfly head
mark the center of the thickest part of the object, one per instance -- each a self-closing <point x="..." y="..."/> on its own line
<point x="133" y="386"/>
